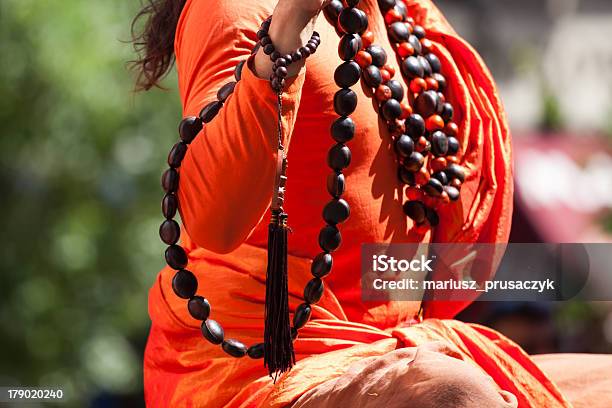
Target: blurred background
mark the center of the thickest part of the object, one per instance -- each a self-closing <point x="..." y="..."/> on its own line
<point x="80" y="166"/>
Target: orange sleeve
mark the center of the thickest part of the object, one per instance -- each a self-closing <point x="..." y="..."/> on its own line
<point x="227" y="176"/>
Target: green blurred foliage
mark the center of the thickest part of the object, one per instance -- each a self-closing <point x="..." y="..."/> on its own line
<point x="80" y="160"/>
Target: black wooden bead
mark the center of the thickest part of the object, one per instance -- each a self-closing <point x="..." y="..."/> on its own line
<point x="281" y="72"/>
<point x="453" y="192"/>
<point x="379" y="56"/>
<point x="415" y="210"/>
<point x="453" y="146"/>
<point x="268" y="49"/>
<point x="209" y="112"/>
<point x="265" y="40"/>
<point x="225" y="91"/>
<point x="176" y="257"/>
<point x="441" y="81"/>
<point x="397" y="90"/>
<point x="401" y="8"/>
<point x="411" y="68"/>
<point x="234" y="348"/>
<point x="391" y="109"/>
<point x="212" y="331"/>
<point x="349" y="46"/>
<point x="425" y="64"/>
<point x="333" y="10"/>
<point x="261" y="34"/>
<point x="294" y="333"/>
<point x="432" y="217"/>
<point x="169" y="205"/>
<point x="256" y="351"/>
<point x="336" y="211"/>
<point x="425" y="104"/>
<point x="352" y="3"/>
<point x="321" y="265"/>
<point x="347" y="74"/>
<point x="176" y="155"/>
<point x="399" y="32"/>
<point x="329" y="238"/>
<point x="372" y="76"/>
<point x="343" y="129"/>
<point x="277" y="84"/>
<point x="288" y="58"/>
<point x="170" y="180"/>
<point x="441" y="101"/>
<point x="447" y="112"/>
<point x="336" y="184"/>
<point x="434" y="62"/>
<point x="345" y="102"/>
<point x="414" y="162"/>
<point x="199" y="308"/>
<point x="455" y="171"/>
<point x="296" y="56"/>
<point x="311" y="47"/>
<point x="353" y="20"/>
<point x="415" y="126"/>
<point x="386" y="5"/>
<point x="404" y="145"/>
<point x="416" y="44"/>
<point x="405" y="176"/>
<point x="313" y="291"/>
<point x="433" y="187"/>
<point x="302" y="315"/>
<point x="339" y="157"/>
<point x="170" y="232"/>
<point x="439" y="143"/>
<point x="189" y="128"/>
<point x="419" y="32"/>
<point x="184" y="284"/>
<point x="441" y="177"/>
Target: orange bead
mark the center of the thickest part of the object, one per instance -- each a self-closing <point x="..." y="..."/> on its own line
<point x="452" y="159"/>
<point x="390" y="70"/>
<point x="367" y="38"/>
<point x="426" y="44"/>
<point x="422" y="176"/>
<point x="385" y="75"/>
<point x="451" y="129"/>
<point x="392" y="16"/>
<point x="406" y="110"/>
<point x="414" y="193"/>
<point x="418" y="85"/>
<point x="444" y="198"/>
<point x="383" y="93"/>
<point x="405" y="50"/>
<point x="397" y="127"/>
<point x="438" y="164"/>
<point x="432" y="84"/>
<point x="421" y="144"/>
<point x="364" y="59"/>
<point x="434" y="122"/>
<point x="456" y="183"/>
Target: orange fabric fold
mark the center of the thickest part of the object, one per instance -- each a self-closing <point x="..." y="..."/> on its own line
<point x="225" y="188"/>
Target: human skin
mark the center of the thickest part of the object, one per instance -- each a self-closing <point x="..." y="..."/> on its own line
<point x="292" y="26"/>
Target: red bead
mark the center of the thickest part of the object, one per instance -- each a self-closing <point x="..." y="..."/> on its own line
<point x="438" y="164"/>
<point x="456" y="183"/>
<point x="434" y="122"/>
<point x="367" y="38"/>
<point x="421" y="144"/>
<point x="444" y="198"/>
<point x="392" y="16"/>
<point x="418" y="85"/>
<point x="426" y="44"/>
<point x="421" y="177"/>
<point x="406" y="110"/>
<point x="414" y="193"/>
<point x="431" y="202"/>
<point x="405" y="50"/>
<point x="451" y="129"/>
<point x="364" y="59"/>
<point x="385" y="75"/>
<point x="432" y="84"/>
<point x="422" y="228"/>
<point x="383" y="93"/>
<point x="390" y="70"/>
<point x="452" y="159"/>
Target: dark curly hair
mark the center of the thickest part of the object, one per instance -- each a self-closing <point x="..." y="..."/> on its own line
<point x="154" y="42"/>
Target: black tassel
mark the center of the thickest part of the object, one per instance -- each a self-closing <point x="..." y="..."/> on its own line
<point x="278" y="345"/>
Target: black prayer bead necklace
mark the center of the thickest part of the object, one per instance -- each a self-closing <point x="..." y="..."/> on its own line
<point x="416" y="140"/>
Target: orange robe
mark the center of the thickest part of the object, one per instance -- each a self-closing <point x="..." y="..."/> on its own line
<point x="225" y="190"/>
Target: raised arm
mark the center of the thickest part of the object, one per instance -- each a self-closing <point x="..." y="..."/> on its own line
<point x="227" y="176"/>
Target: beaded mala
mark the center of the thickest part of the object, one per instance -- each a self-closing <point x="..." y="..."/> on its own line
<point x="425" y="145"/>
